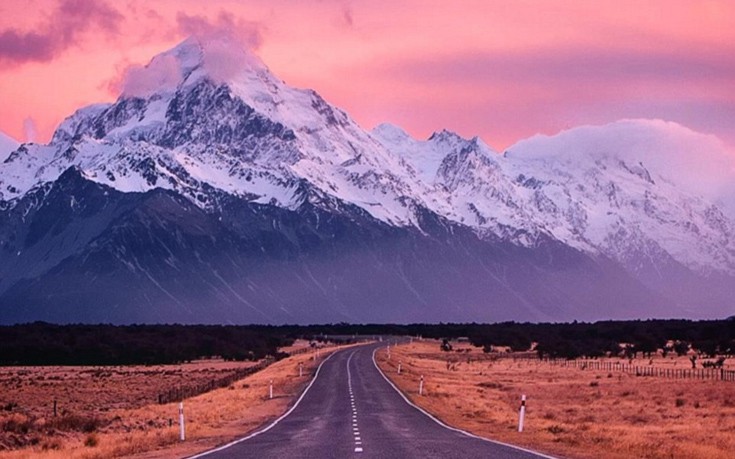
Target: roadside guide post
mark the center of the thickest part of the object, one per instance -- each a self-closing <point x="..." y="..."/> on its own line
<point x="522" y="413"/>
<point x="182" y="429"/>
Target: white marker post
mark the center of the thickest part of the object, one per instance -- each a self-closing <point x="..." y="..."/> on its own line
<point x="388" y="352"/>
<point x="270" y="389"/>
<point x="522" y="413"/>
<point x="421" y="385"/>
<point x="301" y="369"/>
<point x="182" y="429"/>
<point x="399" y="367"/>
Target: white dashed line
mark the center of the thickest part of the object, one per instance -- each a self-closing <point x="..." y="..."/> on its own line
<point x="355" y="429"/>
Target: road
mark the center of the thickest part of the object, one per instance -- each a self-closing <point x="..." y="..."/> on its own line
<point x="351" y="410"/>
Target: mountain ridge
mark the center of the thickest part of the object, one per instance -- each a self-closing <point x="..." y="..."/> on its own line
<point x="226" y="135"/>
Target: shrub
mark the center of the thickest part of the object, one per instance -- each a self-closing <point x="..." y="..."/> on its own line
<point x="10" y="406"/>
<point x="76" y="423"/>
<point x="52" y="444"/>
<point x="17" y="424"/>
<point x="91" y="441"/>
<point x="556" y="429"/>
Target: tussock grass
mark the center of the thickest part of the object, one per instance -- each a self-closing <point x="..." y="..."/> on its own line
<point x="571" y="413"/>
<point x="151" y="431"/>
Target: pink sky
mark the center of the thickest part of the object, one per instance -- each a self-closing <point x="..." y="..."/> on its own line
<point x="503" y="70"/>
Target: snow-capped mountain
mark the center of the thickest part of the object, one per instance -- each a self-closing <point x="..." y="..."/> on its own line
<point x="222" y="194"/>
<point x="618" y="190"/>
<point x="249" y="135"/>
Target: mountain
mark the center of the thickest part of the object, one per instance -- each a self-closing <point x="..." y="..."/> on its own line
<point x="7" y="145"/>
<point x="211" y="191"/>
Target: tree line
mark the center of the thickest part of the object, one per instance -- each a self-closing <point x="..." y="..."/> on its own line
<point x="569" y="340"/>
<point x="48" y="344"/>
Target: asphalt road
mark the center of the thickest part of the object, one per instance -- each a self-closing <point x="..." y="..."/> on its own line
<point x="351" y="410"/>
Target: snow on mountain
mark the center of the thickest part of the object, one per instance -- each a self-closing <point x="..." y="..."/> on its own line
<point x="463" y="180"/>
<point x="632" y="186"/>
<point x="696" y="163"/>
<point x="220" y="119"/>
<point x="207" y="117"/>
<point x="7" y="145"/>
<point x="625" y="189"/>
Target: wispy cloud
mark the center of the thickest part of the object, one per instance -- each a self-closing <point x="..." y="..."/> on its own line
<point x="30" y="130"/>
<point x="61" y="30"/>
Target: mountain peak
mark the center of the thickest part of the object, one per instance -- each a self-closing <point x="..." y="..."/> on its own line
<point x="219" y="59"/>
<point x="390" y="133"/>
<point x="445" y="136"/>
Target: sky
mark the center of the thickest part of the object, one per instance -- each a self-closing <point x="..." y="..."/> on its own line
<point x="503" y="70"/>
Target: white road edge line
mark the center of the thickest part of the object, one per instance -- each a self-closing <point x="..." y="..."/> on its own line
<point x="271" y="425"/>
<point x="463" y="432"/>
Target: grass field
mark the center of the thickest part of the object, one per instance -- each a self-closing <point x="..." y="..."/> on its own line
<point x="570" y="412"/>
<point x="108" y="412"/>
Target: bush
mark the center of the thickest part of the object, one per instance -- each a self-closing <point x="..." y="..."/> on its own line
<point x="76" y="423"/>
<point x="52" y="444"/>
<point x="556" y="429"/>
<point x="91" y="441"/>
<point x="10" y="406"/>
<point x="17" y="424"/>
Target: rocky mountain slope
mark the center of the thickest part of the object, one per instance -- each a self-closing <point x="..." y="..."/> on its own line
<point x="7" y="145"/>
<point x="220" y="194"/>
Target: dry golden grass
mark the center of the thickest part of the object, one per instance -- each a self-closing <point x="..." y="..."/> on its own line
<point x="151" y="431"/>
<point x="570" y="412"/>
<point x="96" y="390"/>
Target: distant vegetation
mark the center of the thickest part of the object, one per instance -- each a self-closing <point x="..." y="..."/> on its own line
<point x="46" y="344"/>
<point x="625" y="338"/>
<point x="571" y="340"/>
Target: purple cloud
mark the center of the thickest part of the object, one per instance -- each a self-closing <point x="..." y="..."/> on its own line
<point x="518" y="94"/>
<point x="61" y="30"/>
<point x="571" y="65"/>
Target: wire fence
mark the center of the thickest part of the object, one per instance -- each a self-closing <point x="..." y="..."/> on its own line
<point x="178" y="394"/>
<point x="672" y="373"/>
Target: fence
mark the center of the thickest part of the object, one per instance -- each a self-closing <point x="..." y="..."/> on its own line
<point x="178" y="394"/>
<point x="674" y="373"/>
